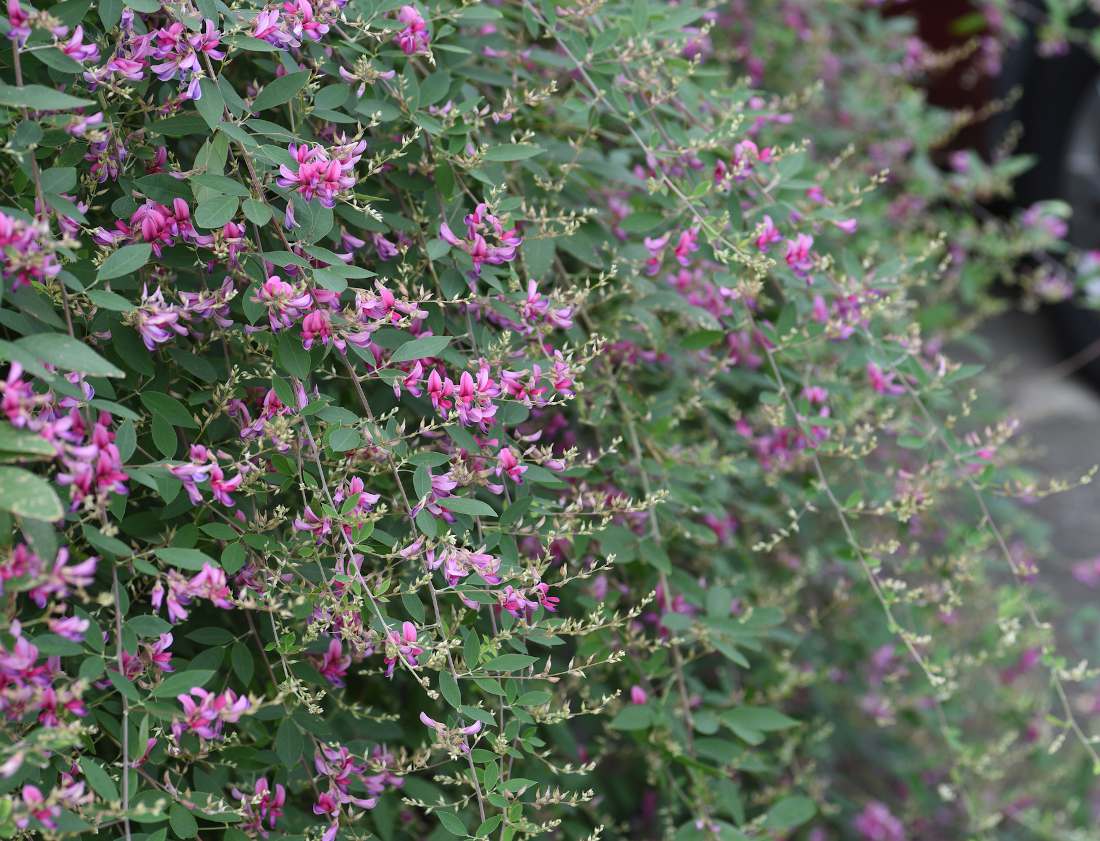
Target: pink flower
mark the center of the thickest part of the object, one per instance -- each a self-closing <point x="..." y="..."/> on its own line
<point x="76" y="49"/>
<point x="766" y="234"/>
<point x="206" y="714"/>
<point x="402" y="646"/>
<point x="70" y="627"/>
<point x="34" y="806"/>
<point x="62" y="578"/>
<point x="687" y="244"/>
<point x="459" y="732"/>
<point x="638" y="695"/>
<point x="333" y="665"/>
<point x="883" y="382"/>
<point x="507" y="463"/>
<point x="20" y="31"/>
<point x="414" y="38"/>
<point x="263" y="807"/>
<point x="655" y="246"/>
<point x="799" y="257"/>
<point x="316" y="326"/>
<point x="211" y="584"/>
<point x="479" y="225"/>
<point x="321" y="174"/>
<point x="875" y="823"/>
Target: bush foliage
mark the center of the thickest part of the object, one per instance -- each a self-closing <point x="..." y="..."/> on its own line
<point x="513" y="420"/>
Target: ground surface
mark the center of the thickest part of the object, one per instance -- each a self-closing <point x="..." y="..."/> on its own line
<point x="1060" y="417"/>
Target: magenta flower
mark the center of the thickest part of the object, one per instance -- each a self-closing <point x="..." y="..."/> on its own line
<point x="210" y="583"/>
<point x="206" y="714"/>
<point x="76" y="49"/>
<point x="333" y="665"/>
<point x="508" y="463"/>
<point x="687" y="244"/>
<point x="157" y="321"/>
<point x="414" y="38"/>
<point x="63" y="578"/>
<point x="402" y="646"/>
<point x="479" y="224"/>
<point x="537" y="310"/>
<point x="321" y="174"/>
<point x="34" y="805"/>
<point x="263" y="807"/>
<point x="69" y="627"/>
<point x="799" y="256"/>
<point x="766" y="234"/>
<point x="316" y="326"/>
<point x="883" y="382"/>
<point x="876" y="823"/>
<point x="656" y="247"/>
<point x="285" y="303"/>
<point x="455" y="735"/>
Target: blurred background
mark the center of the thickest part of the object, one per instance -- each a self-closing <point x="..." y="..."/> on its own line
<point x="1048" y="360"/>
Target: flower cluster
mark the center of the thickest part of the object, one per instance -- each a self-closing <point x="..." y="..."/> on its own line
<point x="499" y="248"/>
<point x="336" y="517"/>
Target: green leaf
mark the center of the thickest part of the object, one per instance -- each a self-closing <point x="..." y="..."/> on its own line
<point x="342" y="439"/>
<point x="790" y="812"/>
<point x="330" y="280"/>
<point x="58" y="179"/>
<point x="54" y="645"/>
<point x="107" y="300"/>
<point x="126" y="260"/>
<point x="169" y="408"/>
<point x="22" y="443"/>
<point x="534" y="698"/>
<point x="221" y="184"/>
<point x="448" y="687"/>
<point x="191" y="559"/>
<point x="288" y="743"/>
<point x="256" y="45"/>
<point x="181" y="125"/>
<point x="183" y="682"/>
<point x="40" y="98"/>
<point x="513" y="152"/>
<point x="98" y="779"/>
<point x="509" y="663"/>
<point x="701" y="339"/>
<point x="291" y="356"/>
<point x="26" y="495"/>
<point x="53" y="57"/>
<point x="148" y="626"/>
<point x="110" y="545"/>
<point x="68" y="354"/>
<point x="452" y="823"/>
<point x="219" y="531"/>
<point x="420" y="348"/>
<point x="215" y="212"/>
<point x="211" y="105"/>
<point x="256" y="212"/>
<point x="110" y="11"/>
<point x="243" y="664"/>
<point x="758" y="718"/>
<point x="183" y="823"/>
<point x="163" y="187"/>
<point x="164" y="436"/>
<point x="280" y="90"/>
<point x="123" y="685"/>
<point x="467" y="505"/>
<point x="634" y="717"/>
<point x="234" y="557"/>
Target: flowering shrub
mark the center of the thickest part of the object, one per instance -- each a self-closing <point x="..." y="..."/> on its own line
<point x="510" y="421"/>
